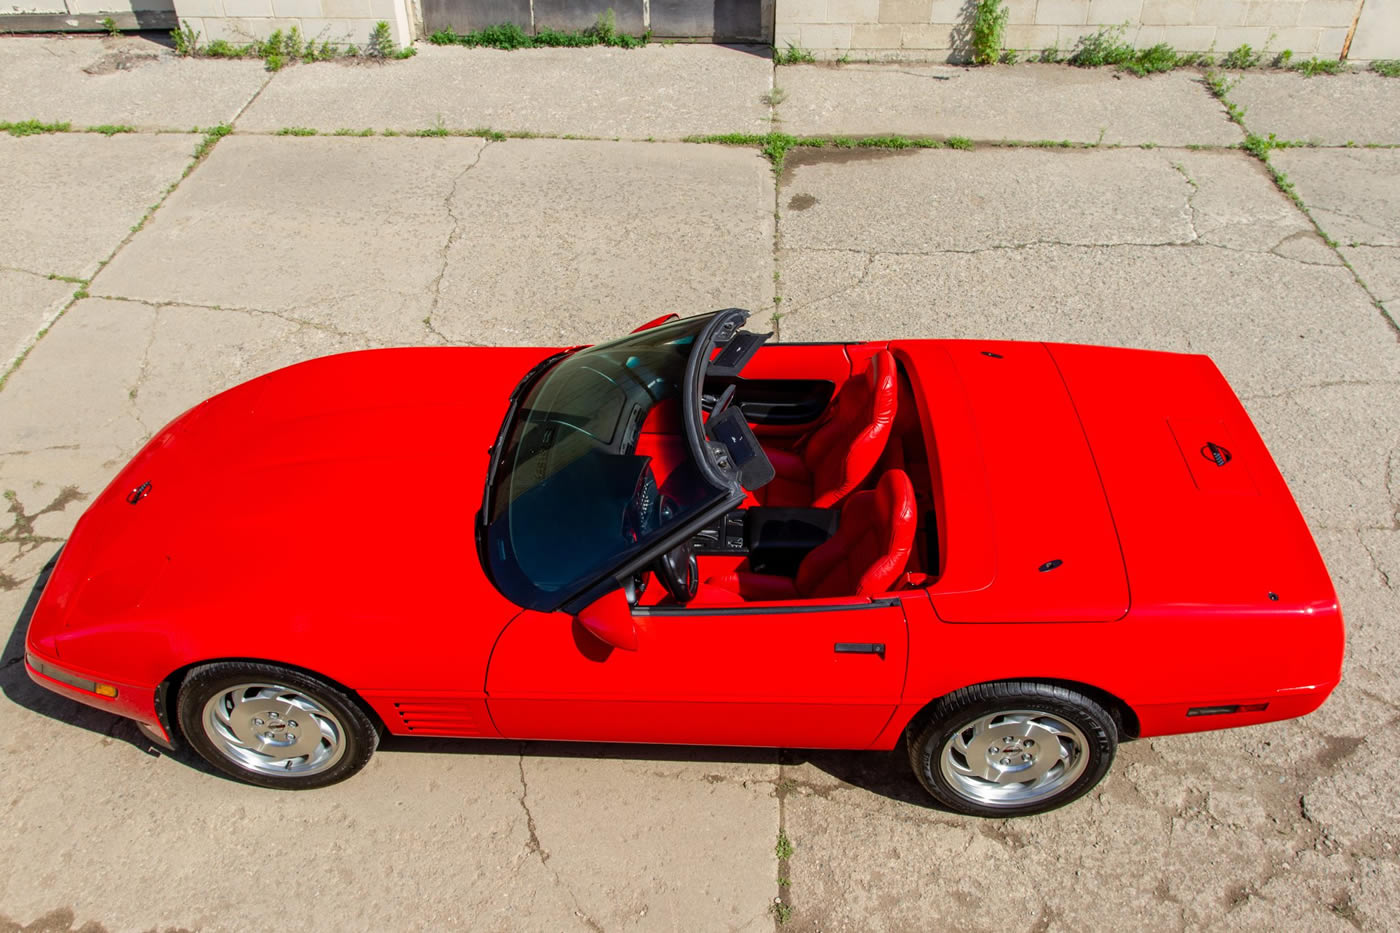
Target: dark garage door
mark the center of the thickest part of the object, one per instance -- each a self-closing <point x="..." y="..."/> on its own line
<point x="718" y="20"/>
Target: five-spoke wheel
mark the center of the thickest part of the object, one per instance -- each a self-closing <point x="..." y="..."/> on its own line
<point x="274" y="726"/>
<point x="1011" y="749"/>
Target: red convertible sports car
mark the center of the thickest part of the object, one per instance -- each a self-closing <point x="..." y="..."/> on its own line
<point x="1008" y="556"/>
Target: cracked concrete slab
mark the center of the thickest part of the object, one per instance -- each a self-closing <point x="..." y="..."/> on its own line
<point x="1187" y="251"/>
<point x="1176" y="840"/>
<point x="662" y="92"/>
<point x="68" y="200"/>
<point x="1354" y="194"/>
<point x="27" y="303"/>
<point x="1332" y="110"/>
<point x="425" y="240"/>
<point x="1025" y="102"/>
<point x="130" y="80"/>
<point x="566" y="241"/>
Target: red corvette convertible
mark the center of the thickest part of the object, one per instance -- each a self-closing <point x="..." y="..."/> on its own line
<point x="1009" y="556"/>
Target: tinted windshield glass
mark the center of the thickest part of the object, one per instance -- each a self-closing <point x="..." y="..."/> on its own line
<point x="580" y="487"/>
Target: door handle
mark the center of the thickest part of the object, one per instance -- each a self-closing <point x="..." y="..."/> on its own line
<point x="860" y="647"/>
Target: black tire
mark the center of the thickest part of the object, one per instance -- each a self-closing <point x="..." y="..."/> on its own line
<point x="217" y="719"/>
<point x="1077" y="739"/>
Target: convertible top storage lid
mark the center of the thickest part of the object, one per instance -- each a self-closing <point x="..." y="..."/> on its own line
<point x="1029" y="536"/>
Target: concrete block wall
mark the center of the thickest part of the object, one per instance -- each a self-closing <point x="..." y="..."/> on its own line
<point x="338" y="21"/>
<point x="937" y="29"/>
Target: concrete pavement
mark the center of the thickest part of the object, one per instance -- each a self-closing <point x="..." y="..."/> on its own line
<point x="277" y="248"/>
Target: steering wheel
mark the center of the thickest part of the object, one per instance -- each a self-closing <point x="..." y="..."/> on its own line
<point x="723" y="401"/>
<point x="679" y="572"/>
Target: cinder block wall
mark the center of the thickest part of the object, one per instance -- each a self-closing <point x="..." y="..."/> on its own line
<point x="338" y="21"/>
<point x="937" y="29"/>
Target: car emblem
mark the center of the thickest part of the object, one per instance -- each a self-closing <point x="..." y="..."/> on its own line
<point x="139" y="493"/>
<point x="1216" y="454"/>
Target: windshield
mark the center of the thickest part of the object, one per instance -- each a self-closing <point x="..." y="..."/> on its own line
<point x="594" y="468"/>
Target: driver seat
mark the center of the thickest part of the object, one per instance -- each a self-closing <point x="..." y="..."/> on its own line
<point x="838" y="456"/>
<point x="864" y="558"/>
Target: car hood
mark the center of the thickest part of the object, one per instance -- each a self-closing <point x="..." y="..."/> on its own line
<point x="333" y="495"/>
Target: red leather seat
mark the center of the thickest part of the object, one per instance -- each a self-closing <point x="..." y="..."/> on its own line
<point x="865" y="556"/>
<point x="839" y="455"/>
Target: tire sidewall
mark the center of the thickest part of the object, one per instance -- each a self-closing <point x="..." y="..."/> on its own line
<point x="958" y="710"/>
<point x="202" y="683"/>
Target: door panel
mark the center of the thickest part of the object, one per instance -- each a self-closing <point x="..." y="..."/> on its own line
<point x="746" y="675"/>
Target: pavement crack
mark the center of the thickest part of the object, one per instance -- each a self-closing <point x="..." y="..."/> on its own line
<point x="870" y="258"/>
<point x="299" y="322"/>
<point x="1328" y="384"/>
<point x="1195" y="189"/>
<point x="135" y="391"/>
<point x="533" y="846"/>
<point x="455" y="234"/>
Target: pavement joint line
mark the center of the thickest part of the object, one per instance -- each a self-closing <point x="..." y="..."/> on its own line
<point x="256" y="94"/>
<point x="1220" y="89"/>
<point x="709" y="138"/>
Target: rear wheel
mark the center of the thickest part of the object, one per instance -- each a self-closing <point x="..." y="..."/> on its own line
<point x="273" y="726"/>
<point x="1012" y="748"/>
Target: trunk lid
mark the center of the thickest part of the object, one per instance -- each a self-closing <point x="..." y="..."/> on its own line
<point x="1203" y="514"/>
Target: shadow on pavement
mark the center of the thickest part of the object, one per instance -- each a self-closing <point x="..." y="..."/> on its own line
<point x="883" y="773"/>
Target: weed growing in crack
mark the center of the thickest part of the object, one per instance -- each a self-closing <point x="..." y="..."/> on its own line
<point x="1386" y="67"/>
<point x="348" y="132"/>
<point x="1220" y="87"/>
<point x="111" y="129"/>
<point x="794" y="55"/>
<point x="783" y="849"/>
<point x="296" y="131"/>
<point x="33" y="128"/>
<point x="510" y="37"/>
<point x="1243" y="57"/>
<point x="211" y="136"/>
<point x="1319" y="66"/>
<point x="285" y="48"/>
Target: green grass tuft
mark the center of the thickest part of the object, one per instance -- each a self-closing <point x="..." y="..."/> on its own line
<point x="794" y="55"/>
<point x="510" y="37"/>
<point x="33" y="128"/>
<point x="1319" y="66"/>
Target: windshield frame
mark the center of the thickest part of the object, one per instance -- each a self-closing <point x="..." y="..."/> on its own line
<point x="722" y="326"/>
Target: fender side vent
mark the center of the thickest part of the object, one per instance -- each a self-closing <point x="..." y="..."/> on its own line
<point x="442" y="717"/>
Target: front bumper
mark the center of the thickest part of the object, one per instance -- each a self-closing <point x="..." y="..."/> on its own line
<point x="132" y="701"/>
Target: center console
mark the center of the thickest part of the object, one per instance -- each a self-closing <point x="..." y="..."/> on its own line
<point x="774" y="539"/>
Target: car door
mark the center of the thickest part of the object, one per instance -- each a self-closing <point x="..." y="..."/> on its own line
<point x="810" y="674"/>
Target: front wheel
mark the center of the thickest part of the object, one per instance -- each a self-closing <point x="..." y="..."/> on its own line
<point x="1012" y="748"/>
<point x="273" y="726"/>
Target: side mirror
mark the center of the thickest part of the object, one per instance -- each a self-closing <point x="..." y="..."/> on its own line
<point x="609" y="619"/>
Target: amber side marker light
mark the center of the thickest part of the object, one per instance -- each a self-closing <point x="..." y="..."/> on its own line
<point x="1222" y="710"/>
<point x="71" y="679"/>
